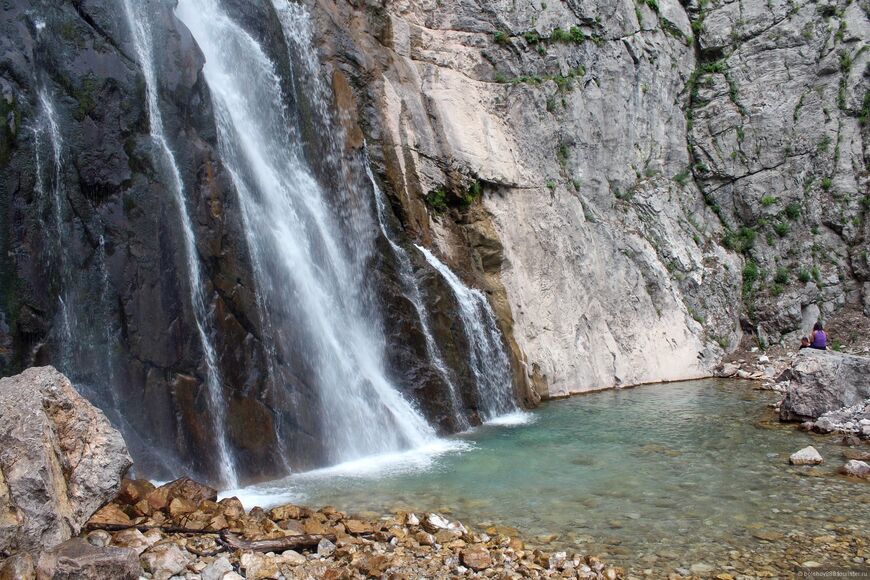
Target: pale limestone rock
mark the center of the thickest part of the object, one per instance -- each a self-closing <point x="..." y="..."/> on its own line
<point x="60" y="460"/>
<point x="217" y="569"/>
<point x="165" y="560"/>
<point x="824" y="381"/>
<point x="806" y="456"/>
<point x="857" y="468"/>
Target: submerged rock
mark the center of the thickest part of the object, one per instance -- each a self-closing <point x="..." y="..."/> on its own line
<point x="806" y="456"/>
<point x="60" y="460"/>
<point x="855" y="468"/>
<point x="823" y="381"/>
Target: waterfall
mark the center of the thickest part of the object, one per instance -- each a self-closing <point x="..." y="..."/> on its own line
<point x="309" y="245"/>
<point x="412" y="291"/>
<point x="56" y="184"/>
<point x="138" y="22"/>
<point x="486" y="353"/>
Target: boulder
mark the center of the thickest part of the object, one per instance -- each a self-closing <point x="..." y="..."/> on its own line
<point x="855" y="468"/>
<point x="182" y="488"/>
<point x="76" y="559"/>
<point x="60" y="460"/>
<point x="823" y="381"/>
<point x="806" y="456"/>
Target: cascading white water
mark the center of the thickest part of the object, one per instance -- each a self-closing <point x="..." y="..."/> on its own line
<point x="412" y="291"/>
<point x="65" y="340"/>
<point x="139" y="27"/>
<point x="310" y="271"/>
<point x="486" y="354"/>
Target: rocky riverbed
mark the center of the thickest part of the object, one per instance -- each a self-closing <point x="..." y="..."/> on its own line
<point x="180" y="530"/>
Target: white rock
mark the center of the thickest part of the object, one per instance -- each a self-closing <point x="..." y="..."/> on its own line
<point x="412" y="520"/>
<point x="293" y="558"/>
<point x="764" y="359"/>
<point x="435" y="522"/>
<point x="325" y="548"/>
<point x="165" y="560"/>
<point x="806" y="456"/>
<point x="217" y="569"/>
<point x="857" y="468"/>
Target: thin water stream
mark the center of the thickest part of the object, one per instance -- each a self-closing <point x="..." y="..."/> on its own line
<point x="656" y="477"/>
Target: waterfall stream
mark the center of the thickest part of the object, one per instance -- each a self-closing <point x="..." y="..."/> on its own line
<point x="486" y="353"/>
<point x="138" y="23"/>
<point x="412" y="291"/>
<point x="57" y="199"/>
<point x="309" y="247"/>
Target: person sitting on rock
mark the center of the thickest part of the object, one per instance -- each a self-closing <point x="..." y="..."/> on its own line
<point x="819" y="338"/>
<point x="805" y="343"/>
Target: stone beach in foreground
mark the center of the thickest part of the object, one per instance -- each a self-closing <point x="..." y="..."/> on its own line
<point x="180" y="530"/>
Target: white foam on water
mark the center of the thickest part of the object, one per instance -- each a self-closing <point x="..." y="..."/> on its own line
<point x="291" y="489"/>
<point x="512" y="419"/>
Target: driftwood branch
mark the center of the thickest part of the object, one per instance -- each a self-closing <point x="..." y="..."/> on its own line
<point x="228" y="539"/>
<point x="234" y="542"/>
<point x="143" y="528"/>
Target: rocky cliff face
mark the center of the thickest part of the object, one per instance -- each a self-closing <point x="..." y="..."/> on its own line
<point x="96" y="276"/>
<point x="628" y="180"/>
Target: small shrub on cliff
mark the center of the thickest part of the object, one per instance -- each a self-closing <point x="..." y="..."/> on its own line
<point x="682" y="178"/>
<point x="804" y="275"/>
<point x="750" y="276"/>
<point x="826" y="183"/>
<point x="781" y="276"/>
<point x="768" y="200"/>
<point x="654" y="5"/>
<point x="782" y="229"/>
<point x="577" y="36"/>
<point x="864" y="116"/>
<point x="741" y="240"/>
<point x="562" y="154"/>
<point x="437" y="200"/>
<point x="501" y="37"/>
<point x="823" y="145"/>
<point x="717" y="67"/>
<point x="532" y="37"/>
<point x="471" y="194"/>
<point x="551" y="104"/>
<point x="559" y="35"/>
<point x="793" y="211"/>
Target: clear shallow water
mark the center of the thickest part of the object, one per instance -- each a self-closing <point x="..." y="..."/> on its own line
<point x="652" y="477"/>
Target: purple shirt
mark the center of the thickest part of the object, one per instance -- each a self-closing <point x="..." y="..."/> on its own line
<point x="820" y="340"/>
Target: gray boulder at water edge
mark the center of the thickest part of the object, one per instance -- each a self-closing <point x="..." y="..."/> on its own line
<point x="823" y="381"/>
<point x="60" y="460"/>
